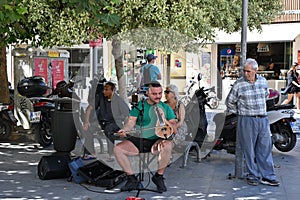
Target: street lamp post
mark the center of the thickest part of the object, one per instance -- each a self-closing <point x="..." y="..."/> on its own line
<point x="239" y="157"/>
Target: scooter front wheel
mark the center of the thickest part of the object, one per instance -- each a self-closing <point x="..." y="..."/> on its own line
<point x="288" y="141"/>
<point x="42" y="133"/>
<point x="5" y="129"/>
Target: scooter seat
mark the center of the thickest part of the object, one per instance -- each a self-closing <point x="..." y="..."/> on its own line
<point x="281" y="107"/>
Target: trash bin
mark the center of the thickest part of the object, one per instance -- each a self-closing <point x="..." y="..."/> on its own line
<point x="64" y="132"/>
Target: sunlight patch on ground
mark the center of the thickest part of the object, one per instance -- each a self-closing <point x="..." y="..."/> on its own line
<point x="216" y="195"/>
<point x="200" y="194"/>
<point x="18" y="146"/>
<point x="16" y="172"/>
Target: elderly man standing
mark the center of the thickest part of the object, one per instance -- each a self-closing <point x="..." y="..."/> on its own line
<point x="247" y="99"/>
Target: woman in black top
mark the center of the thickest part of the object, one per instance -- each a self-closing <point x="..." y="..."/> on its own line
<point x="293" y="86"/>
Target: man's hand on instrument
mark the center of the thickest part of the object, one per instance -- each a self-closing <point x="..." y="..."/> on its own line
<point x="121" y="133"/>
<point x="173" y="123"/>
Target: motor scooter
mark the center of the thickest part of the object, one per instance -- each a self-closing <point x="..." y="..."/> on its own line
<point x="280" y="117"/>
<point x="212" y="100"/>
<point x="7" y="118"/>
<point x="35" y="109"/>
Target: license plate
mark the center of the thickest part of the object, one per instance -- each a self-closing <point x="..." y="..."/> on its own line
<point x="35" y="117"/>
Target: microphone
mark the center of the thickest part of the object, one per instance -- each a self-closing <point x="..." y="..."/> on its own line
<point x="134" y="99"/>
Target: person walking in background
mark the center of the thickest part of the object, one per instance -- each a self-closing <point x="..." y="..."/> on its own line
<point x="148" y="141"/>
<point x="150" y="71"/>
<point x="247" y="99"/>
<point x="172" y="99"/>
<point x="293" y="86"/>
<point x="111" y="113"/>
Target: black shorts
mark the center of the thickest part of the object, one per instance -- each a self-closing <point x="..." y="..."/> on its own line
<point x="145" y="146"/>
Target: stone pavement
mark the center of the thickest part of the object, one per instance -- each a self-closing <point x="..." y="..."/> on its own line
<point x="205" y="180"/>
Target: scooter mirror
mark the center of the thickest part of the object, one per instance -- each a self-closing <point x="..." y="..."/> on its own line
<point x="199" y="76"/>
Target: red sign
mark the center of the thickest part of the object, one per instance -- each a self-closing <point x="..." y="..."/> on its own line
<point x="57" y="72"/>
<point x="41" y="68"/>
<point x="96" y="43"/>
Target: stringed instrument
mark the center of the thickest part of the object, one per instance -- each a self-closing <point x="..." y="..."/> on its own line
<point x="163" y="127"/>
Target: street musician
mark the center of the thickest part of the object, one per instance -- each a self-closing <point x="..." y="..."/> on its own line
<point x="157" y="123"/>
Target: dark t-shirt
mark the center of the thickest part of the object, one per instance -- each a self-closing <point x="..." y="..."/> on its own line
<point x="104" y="112"/>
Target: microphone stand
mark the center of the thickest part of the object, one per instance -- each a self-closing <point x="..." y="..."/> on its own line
<point x="141" y="166"/>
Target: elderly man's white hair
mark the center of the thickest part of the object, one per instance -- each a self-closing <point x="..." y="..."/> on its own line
<point x="252" y="62"/>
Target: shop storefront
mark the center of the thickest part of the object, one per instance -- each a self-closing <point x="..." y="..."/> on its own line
<point x="276" y="43"/>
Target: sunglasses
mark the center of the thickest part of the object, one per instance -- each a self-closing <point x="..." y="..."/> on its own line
<point x="167" y="91"/>
<point x="248" y="71"/>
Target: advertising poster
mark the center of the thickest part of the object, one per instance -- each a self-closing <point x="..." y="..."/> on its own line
<point x="57" y="72"/>
<point x="41" y="68"/>
<point x="178" y="66"/>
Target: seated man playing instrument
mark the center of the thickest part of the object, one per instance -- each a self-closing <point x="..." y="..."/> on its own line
<point x="158" y="125"/>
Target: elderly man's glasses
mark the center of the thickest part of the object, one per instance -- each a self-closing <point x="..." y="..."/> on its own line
<point x="167" y="91"/>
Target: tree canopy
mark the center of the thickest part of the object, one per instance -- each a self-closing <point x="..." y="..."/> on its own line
<point x="51" y="23"/>
<point x="68" y="22"/>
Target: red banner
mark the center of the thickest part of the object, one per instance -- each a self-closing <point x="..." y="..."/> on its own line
<point x="57" y="72"/>
<point x="41" y="68"/>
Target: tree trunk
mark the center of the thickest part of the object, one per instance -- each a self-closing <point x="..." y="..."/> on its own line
<point x="116" y="51"/>
<point x="4" y="97"/>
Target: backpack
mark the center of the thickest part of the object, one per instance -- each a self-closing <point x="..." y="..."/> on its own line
<point x="74" y="165"/>
<point x="146" y="75"/>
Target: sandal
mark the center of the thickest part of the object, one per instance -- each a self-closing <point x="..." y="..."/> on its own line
<point x="110" y="159"/>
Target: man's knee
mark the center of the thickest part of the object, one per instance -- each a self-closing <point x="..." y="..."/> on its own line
<point x="117" y="149"/>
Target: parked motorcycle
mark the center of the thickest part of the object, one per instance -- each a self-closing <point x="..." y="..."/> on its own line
<point x="7" y="120"/>
<point x="211" y="96"/>
<point x="195" y="117"/>
<point x="39" y="117"/>
<point x="42" y="108"/>
<point x="212" y="99"/>
<point x="280" y="116"/>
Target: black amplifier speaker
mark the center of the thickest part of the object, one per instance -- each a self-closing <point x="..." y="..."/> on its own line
<point x="54" y="167"/>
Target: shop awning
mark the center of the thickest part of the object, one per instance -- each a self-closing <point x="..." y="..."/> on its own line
<point x="270" y="33"/>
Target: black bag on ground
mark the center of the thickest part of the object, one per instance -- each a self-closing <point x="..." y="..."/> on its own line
<point x="54" y="167"/>
<point x="99" y="174"/>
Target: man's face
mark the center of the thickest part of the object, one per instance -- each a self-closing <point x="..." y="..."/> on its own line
<point x="155" y="94"/>
<point x="249" y="73"/>
<point x="107" y="91"/>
